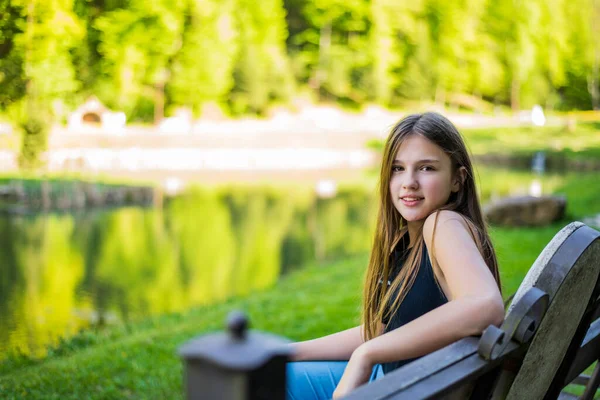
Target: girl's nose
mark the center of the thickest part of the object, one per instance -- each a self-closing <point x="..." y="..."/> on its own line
<point x="410" y="182"/>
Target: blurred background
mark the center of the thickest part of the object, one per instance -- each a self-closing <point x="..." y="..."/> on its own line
<point x="159" y="155"/>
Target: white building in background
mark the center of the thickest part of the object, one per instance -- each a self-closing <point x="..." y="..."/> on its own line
<point x="93" y="115"/>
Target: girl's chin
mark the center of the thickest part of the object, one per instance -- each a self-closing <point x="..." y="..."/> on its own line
<point x="412" y="215"/>
<point x="413" y="218"/>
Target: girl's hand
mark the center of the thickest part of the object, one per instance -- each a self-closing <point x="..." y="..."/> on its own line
<point x="357" y="372"/>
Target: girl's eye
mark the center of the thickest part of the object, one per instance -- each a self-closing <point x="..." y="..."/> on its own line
<point x="427" y="168"/>
<point x="397" y="168"/>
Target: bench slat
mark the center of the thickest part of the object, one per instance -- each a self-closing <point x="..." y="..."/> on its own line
<point x="453" y="377"/>
<point x="434" y="374"/>
<point x="418" y="370"/>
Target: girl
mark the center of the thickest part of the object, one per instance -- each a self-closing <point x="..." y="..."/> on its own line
<point x="432" y="277"/>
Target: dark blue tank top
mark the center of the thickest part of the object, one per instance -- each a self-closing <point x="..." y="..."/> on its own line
<point x="424" y="295"/>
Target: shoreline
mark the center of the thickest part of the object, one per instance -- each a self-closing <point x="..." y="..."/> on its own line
<point x="24" y="197"/>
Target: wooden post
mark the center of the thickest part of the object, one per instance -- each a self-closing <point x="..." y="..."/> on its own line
<point x="239" y="365"/>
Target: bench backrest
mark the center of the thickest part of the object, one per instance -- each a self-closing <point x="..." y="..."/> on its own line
<point x="570" y="278"/>
<point x="529" y="356"/>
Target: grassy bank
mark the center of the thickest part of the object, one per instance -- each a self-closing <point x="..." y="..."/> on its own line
<point x="26" y="196"/>
<point x="514" y="146"/>
<point x="582" y="142"/>
<point x="35" y="178"/>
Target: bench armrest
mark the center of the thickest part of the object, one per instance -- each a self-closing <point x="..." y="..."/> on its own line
<point x="462" y="362"/>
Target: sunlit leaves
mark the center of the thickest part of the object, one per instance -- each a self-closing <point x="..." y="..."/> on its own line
<point x="136" y="55"/>
<point x="202" y="68"/>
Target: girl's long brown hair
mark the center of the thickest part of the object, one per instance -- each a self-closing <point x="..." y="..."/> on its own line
<point x="391" y="227"/>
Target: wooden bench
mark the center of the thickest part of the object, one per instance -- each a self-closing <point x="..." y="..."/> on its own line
<point x="550" y="335"/>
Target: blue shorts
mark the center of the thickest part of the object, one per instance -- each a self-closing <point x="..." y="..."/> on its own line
<point x="316" y="380"/>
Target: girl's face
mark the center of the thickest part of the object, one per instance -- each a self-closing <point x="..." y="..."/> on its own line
<point x="421" y="179"/>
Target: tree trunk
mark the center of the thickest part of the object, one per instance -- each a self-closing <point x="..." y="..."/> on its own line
<point x="593" y="79"/>
<point x="440" y="95"/>
<point x="515" y="93"/>
<point x="159" y="102"/>
<point x="324" y="45"/>
<point x="593" y="83"/>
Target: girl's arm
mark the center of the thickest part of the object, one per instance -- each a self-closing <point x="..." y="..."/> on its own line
<point x="475" y="300"/>
<point x="337" y="346"/>
<point x="475" y="303"/>
<point x="434" y="330"/>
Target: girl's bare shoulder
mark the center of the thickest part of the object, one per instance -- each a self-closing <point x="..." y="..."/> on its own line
<point x="444" y="222"/>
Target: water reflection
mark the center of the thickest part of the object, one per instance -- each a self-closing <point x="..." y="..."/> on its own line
<point x="62" y="273"/>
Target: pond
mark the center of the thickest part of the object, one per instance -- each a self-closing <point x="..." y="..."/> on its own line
<point x="60" y="273"/>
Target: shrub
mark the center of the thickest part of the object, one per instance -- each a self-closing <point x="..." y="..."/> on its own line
<point x="34" y="142"/>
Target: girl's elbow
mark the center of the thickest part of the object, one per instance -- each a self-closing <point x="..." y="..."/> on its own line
<point x="491" y="312"/>
<point x="495" y="309"/>
<point x="498" y="318"/>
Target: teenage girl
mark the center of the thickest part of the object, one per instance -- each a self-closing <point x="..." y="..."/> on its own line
<point x="432" y="277"/>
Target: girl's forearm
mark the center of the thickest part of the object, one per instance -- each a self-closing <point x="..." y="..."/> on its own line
<point x="438" y="328"/>
<point x="337" y="346"/>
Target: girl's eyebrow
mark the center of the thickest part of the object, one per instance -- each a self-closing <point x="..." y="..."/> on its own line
<point x="432" y="160"/>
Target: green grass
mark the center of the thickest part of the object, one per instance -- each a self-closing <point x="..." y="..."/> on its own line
<point x="584" y="142"/>
<point x="560" y="145"/>
<point x="517" y="249"/>
<point x="583" y="194"/>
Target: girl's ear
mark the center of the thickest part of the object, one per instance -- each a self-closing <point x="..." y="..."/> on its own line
<point x="459" y="179"/>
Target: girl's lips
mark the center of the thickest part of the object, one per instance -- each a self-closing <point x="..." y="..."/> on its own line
<point x="411" y="201"/>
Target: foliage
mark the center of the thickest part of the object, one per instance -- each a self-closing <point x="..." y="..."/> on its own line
<point x="34" y="142"/>
<point x="137" y="46"/>
<point x="44" y="41"/>
<point x="261" y="73"/>
<point x="202" y="69"/>
<point x="12" y="75"/>
<point x="154" y="56"/>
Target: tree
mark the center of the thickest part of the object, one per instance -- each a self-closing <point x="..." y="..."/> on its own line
<point x="387" y="47"/>
<point x="417" y="72"/>
<point x="594" y="75"/>
<point x="138" y="45"/>
<point x="47" y="35"/>
<point x="12" y="74"/>
<point x="261" y="73"/>
<point x="329" y="47"/>
<point x="202" y="69"/>
<point x="51" y="32"/>
<point x="551" y="42"/>
<point x="515" y="22"/>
